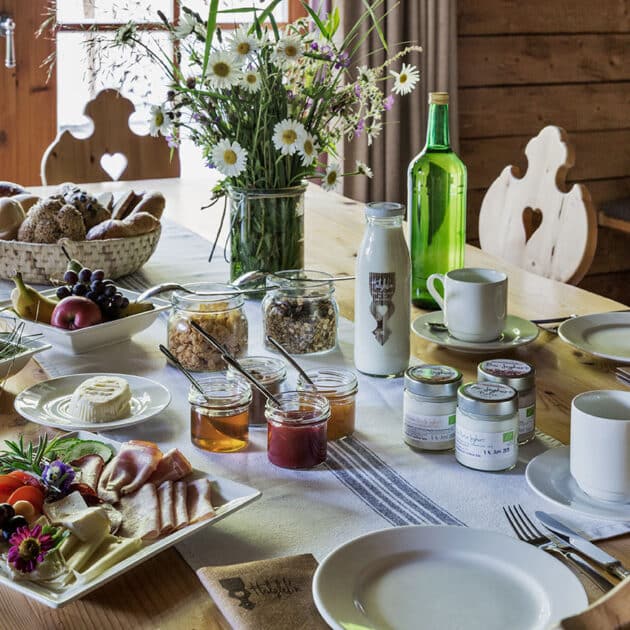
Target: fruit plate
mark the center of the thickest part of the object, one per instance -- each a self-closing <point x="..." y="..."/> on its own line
<point x="12" y="365"/>
<point x="227" y="497"/>
<point x="105" y="334"/>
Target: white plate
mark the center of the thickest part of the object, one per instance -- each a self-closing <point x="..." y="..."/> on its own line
<point x="443" y="577"/>
<point x="32" y="346"/>
<point x="548" y="475"/>
<point x="48" y="402"/>
<point x="105" y="334"/>
<point x="227" y="497"/>
<point x="604" y="335"/>
<point x="517" y="332"/>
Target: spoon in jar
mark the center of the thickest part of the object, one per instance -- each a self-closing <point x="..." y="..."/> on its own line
<point x="291" y="360"/>
<point x="257" y="279"/>
<point x="231" y="361"/>
<point x="173" y="286"/>
<point x="175" y="361"/>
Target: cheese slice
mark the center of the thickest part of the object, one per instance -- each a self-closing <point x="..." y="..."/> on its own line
<point x="101" y="399"/>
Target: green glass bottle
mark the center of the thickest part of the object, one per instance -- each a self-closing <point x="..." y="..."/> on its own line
<point x="437" y="205"/>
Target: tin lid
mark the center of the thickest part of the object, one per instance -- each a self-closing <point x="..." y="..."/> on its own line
<point x="488" y="399"/>
<point x="384" y="209"/>
<point x="517" y="374"/>
<point x="433" y="380"/>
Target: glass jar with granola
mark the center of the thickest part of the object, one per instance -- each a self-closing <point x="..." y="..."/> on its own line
<point x="223" y="317"/>
<point x="300" y="311"/>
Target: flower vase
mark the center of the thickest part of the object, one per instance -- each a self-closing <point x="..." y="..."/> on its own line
<point x="266" y="229"/>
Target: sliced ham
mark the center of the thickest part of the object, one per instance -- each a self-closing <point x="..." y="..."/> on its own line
<point x="181" y="511"/>
<point x="172" y="467"/>
<point x="167" y="508"/>
<point x="198" y="503"/>
<point x="129" y="470"/>
<point x="88" y="470"/>
<point x="140" y="513"/>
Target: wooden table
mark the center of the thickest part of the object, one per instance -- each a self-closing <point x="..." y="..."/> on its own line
<point x="165" y="592"/>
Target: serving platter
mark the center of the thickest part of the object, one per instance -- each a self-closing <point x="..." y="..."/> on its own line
<point x="227" y="497"/>
<point x="12" y="365"/>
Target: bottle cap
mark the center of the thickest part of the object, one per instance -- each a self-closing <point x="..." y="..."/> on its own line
<point x="438" y="98"/>
<point x="384" y="209"/>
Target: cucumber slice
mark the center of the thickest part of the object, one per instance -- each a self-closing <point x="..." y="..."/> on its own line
<point x="88" y="447"/>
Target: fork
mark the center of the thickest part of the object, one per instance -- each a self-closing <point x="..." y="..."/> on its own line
<point x="526" y="531"/>
<point x="623" y="374"/>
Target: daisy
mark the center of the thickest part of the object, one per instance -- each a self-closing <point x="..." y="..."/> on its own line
<point x="187" y="25"/>
<point x="364" y="169"/>
<point x="308" y="150"/>
<point x="250" y="80"/>
<point x="331" y="178"/>
<point x="365" y="74"/>
<point x="288" y="135"/>
<point x="242" y="44"/>
<point x="222" y="71"/>
<point x="229" y="158"/>
<point x="159" y="122"/>
<point x="288" y="50"/>
<point x="406" y="79"/>
<point x="373" y="131"/>
<point x="28" y="548"/>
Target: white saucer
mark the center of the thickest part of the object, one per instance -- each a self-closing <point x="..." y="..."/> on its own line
<point x="548" y="475"/>
<point x="517" y="332"/>
<point x="605" y="335"/>
<point x="48" y="402"/>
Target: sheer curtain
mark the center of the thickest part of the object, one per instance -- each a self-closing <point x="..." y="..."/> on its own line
<point x="433" y="25"/>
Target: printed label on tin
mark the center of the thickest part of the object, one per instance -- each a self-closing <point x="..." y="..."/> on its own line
<point x="506" y="367"/>
<point x="486" y="451"/>
<point x="489" y="391"/>
<point x="526" y="419"/>
<point x="420" y="428"/>
<point x="434" y="373"/>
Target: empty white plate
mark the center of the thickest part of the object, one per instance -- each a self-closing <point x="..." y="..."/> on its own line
<point x="605" y="335"/>
<point x="48" y="402"/>
<point x="443" y="577"/>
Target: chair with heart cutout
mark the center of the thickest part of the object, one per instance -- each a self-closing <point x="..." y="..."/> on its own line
<point x="533" y="222"/>
<point x="112" y="152"/>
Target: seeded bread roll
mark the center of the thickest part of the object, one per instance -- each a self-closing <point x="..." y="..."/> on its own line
<point x="26" y="200"/>
<point x="153" y="203"/>
<point x="141" y="223"/>
<point x="50" y="220"/>
<point x="112" y="228"/>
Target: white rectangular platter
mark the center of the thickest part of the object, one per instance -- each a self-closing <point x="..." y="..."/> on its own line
<point x="227" y="497"/>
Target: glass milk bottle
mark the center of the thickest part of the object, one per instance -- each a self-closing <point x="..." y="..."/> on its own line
<point x="382" y="294"/>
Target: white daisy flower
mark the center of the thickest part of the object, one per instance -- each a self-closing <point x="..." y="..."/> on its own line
<point x="406" y="79"/>
<point x="364" y="169"/>
<point x="160" y="122"/>
<point x="250" y="80"/>
<point x="288" y="50"/>
<point x="373" y="131"/>
<point x="308" y="150"/>
<point x="331" y="178"/>
<point x="222" y="70"/>
<point x="365" y="74"/>
<point x="288" y="136"/>
<point x="242" y="44"/>
<point x="187" y="25"/>
<point x="229" y="158"/>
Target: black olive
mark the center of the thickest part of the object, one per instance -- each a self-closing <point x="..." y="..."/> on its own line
<point x="6" y="512"/>
<point x="12" y="525"/>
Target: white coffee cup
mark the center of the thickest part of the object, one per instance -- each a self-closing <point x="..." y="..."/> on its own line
<point x="600" y="444"/>
<point x="474" y="304"/>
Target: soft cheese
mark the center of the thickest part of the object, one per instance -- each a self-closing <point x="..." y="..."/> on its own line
<point x="101" y="399"/>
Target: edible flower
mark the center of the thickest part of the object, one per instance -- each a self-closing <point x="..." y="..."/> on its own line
<point x="58" y="476"/>
<point x="29" y="548"/>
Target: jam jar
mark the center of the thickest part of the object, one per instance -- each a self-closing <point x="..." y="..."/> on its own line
<point x="300" y="311"/>
<point x="223" y="317"/>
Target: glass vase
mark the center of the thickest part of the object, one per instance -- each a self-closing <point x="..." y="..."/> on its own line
<point x="266" y="229"/>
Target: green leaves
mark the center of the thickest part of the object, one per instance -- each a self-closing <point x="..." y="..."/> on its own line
<point x="210" y="27"/>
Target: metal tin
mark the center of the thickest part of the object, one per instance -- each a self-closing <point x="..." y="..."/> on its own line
<point x="517" y="374"/>
<point x="433" y="380"/>
<point x="488" y="399"/>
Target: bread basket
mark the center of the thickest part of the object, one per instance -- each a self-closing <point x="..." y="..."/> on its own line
<point x="42" y="262"/>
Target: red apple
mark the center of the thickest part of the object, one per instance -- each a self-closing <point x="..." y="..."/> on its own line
<point x="76" y="312"/>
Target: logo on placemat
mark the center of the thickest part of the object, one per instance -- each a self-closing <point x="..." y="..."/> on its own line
<point x="275" y="588"/>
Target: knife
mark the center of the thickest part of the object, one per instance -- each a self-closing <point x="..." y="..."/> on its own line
<point x="577" y="541"/>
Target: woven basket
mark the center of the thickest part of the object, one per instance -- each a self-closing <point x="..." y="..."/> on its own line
<point x="42" y="262"/>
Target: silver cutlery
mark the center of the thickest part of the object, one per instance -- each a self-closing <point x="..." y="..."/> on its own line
<point x="623" y="374"/>
<point x="526" y="531"/>
<point x="583" y="545"/>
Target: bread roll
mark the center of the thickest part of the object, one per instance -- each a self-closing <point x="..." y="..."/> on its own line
<point x="8" y="189"/>
<point x="111" y="228"/>
<point x="153" y="203"/>
<point x="123" y="207"/>
<point x="26" y="200"/>
<point x="141" y="223"/>
<point x="11" y="217"/>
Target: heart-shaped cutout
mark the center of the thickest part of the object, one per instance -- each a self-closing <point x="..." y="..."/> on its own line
<point x="114" y="164"/>
<point x="532" y="218"/>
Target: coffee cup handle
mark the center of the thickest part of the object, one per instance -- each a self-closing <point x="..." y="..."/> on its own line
<point x="433" y="291"/>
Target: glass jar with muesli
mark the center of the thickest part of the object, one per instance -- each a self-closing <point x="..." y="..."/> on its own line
<point x="223" y="317"/>
<point x="300" y="311"/>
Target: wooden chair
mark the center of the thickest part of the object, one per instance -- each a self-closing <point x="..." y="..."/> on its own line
<point x="112" y="145"/>
<point x="531" y="222"/>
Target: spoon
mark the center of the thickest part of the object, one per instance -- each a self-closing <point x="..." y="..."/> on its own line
<point x="257" y="278"/>
<point x="291" y="360"/>
<point x="175" y="361"/>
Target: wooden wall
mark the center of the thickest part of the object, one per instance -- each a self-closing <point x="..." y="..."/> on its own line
<point x="524" y="65"/>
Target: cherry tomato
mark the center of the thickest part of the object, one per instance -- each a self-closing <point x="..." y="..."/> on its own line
<point x="27" y="479"/>
<point x="28" y="493"/>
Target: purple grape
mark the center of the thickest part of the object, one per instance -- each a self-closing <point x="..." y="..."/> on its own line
<point x="125" y="303"/>
<point x="108" y="281"/>
<point x="70" y="277"/>
<point x="98" y="287"/>
<point x="118" y="300"/>
<point x="79" y="289"/>
<point x="85" y="275"/>
<point x="90" y="295"/>
<point x="110" y="290"/>
<point x="98" y="274"/>
<point x="63" y="292"/>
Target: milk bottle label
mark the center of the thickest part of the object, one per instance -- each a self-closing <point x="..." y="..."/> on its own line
<point x="382" y="289"/>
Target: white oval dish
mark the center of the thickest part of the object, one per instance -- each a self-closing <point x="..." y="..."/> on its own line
<point x="605" y="335"/>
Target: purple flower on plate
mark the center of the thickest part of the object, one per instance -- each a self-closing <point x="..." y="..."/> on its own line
<point x="28" y="548"/>
<point x="58" y="476"/>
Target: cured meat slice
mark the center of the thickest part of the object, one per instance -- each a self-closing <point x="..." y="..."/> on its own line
<point x="172" y="467"/>
<point x="181" y="511"/>
<point x="167" y="508"/>
<point x="88" y="470"/>
<point x="128" y="470"/>
<point x="198" y="503"/>
<point x="140" y="513"/>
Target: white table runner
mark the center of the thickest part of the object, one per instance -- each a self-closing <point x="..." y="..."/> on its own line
<point x="370" y="481"/>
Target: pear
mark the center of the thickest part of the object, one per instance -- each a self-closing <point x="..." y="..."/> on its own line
<point x="29" y="304"/>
